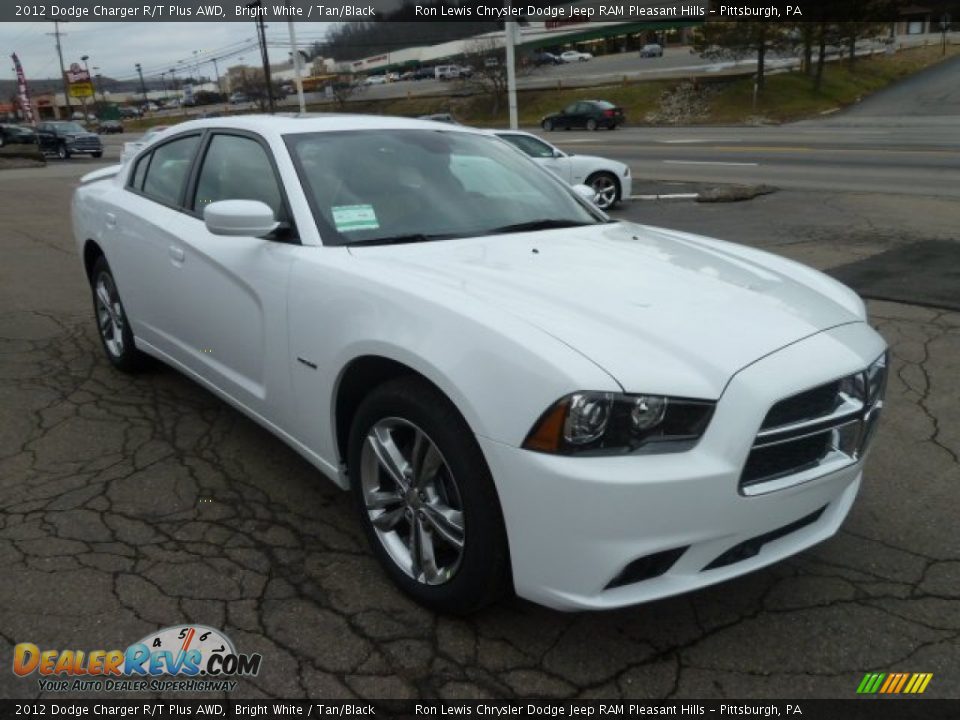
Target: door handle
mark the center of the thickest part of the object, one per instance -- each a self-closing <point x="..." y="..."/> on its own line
<point x="177" y="253"/>
<point x="111" y="220"/>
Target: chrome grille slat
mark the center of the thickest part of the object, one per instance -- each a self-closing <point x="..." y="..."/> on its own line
<point x="815" y="432"/>
<point x="849" y="408"/>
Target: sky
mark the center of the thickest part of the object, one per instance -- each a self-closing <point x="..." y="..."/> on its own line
<point x="115" y="47"/>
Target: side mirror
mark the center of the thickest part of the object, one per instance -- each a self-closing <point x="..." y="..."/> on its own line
<point x="586" y="192"/>
<point x="247" y="218"/>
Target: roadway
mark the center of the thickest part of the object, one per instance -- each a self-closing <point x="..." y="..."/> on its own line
<point x="904" y="140"/>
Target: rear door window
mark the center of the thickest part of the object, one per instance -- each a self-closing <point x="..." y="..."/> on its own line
<point x="169" y="169"/>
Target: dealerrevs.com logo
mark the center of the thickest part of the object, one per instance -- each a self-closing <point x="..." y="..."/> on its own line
<point x="190" y="658"/>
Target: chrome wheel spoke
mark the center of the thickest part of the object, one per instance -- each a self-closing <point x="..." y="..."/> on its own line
<point x="390" y="457"/>
<point x="427" y="561"/>
<point x="103" y="295"/>
<point x="388" y="520"/>
<point x="429" y="465"/>
<point x="446" y="522"/>
<point x="383" y="499"/>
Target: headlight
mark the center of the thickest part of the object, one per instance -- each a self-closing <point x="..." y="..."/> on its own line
<point x="604" y="423"/>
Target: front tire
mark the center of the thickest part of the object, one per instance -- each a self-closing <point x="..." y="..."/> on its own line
<point x="607" y="188"/>
<point x="426" y="499"/>
<point x="112" y="325"/>
<point x="547" y="125"/>
<point x="591" y="124"/>
<point x="97" y="154"/>
<point x="62" y="152"/>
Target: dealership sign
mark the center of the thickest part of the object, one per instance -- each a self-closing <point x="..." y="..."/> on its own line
<point x="78" y="81"/>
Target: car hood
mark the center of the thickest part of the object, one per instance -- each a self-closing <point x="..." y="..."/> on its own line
<point x="660" y="311"/>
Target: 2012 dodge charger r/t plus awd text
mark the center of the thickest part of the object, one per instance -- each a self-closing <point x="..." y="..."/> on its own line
<point x="521" y="393"/>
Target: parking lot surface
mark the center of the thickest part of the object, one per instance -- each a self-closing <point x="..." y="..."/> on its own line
<point x="130" y="504"/>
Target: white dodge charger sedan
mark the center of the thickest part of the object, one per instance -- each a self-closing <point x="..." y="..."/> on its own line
<point x="609" y="179"/>
<point x="520" y="393"/>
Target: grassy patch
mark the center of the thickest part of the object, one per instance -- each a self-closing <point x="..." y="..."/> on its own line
<point x="791" y="96"/>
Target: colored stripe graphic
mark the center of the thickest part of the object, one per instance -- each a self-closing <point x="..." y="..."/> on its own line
<point x="894" y="683"/>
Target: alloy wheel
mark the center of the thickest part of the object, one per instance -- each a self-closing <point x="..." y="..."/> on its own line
<point x="109" y="315"/>
<point x="412" y="500"/>
<point x="605" y="188"/>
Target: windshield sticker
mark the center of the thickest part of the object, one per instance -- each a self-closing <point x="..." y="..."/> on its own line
<point x="354" y="217"/>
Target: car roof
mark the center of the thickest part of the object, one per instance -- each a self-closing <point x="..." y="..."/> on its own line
<point x="296" y="123"/>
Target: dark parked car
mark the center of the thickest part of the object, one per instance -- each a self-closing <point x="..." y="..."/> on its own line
<point x="130" y="112"/>
<point x="546" y="58"/>
<point x="589" y="114"/>
<point x="66" y="138"/>
<point x="651" y="50"/>
<point x="108" y="127"/>
<point x="424" y="73"/>
<point x="17" y="135"/>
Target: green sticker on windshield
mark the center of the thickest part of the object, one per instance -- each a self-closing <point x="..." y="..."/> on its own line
<point x="354" y="217"/>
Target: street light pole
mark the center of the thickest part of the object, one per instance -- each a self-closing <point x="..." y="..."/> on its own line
<point x="143" y="87"/>
<point x="296" y="66"/>
<point x="103" y="98"/>
<point x="83" y="100"/>
<point x="509" y="27"/>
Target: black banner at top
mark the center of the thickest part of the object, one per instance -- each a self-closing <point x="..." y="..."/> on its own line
<point x="549" y="11"/>
<point x="175" y="709"/>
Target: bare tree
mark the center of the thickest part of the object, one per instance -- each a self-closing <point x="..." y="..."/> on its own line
<point x="486" y="59"/>
<point x="345" y="88"/>
<point x="739" y="40"/>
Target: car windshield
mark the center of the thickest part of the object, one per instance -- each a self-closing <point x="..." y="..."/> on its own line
<point x="70" y="127"/>
<point x="381" y="186"/>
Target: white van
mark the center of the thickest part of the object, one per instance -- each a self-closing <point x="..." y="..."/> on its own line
<point x="446" y="72"/>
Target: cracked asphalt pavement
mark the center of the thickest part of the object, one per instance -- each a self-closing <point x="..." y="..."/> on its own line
<point x="130" y="504"/>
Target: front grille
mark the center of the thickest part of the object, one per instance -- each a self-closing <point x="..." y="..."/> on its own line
<point x="778" y="460"/>
<point x="830" y="424"/>
<point x="811" y="403"/>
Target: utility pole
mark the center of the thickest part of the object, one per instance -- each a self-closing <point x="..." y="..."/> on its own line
<point x="296" y="66"/>
<point x="143" y="87"/>
<point x="262" y="33"/>
<point x="163" y="84"/>
<point x="216" y="71"/>
<point x="63" y="71"/>
<point x="509" y="28"/>
<point x="83" y="99"/>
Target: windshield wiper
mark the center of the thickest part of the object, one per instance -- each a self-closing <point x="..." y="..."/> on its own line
<point x="400" y="239"/>
<point x="544" y="224"/>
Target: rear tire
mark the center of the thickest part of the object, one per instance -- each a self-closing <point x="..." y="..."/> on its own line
<point x="112" y="325"/>
<point x="438" y="532"/>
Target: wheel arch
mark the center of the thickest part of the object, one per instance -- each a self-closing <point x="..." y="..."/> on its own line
<point x="358" y="378"/>
<point x="91" y="253"/>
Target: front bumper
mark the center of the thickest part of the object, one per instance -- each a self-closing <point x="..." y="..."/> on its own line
<point x="575" y="523"/>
